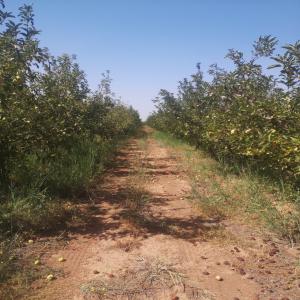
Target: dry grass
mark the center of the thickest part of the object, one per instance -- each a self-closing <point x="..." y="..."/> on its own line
<point x="135" y="197"/>
<point x="128" y="244"/>
<point x="147" y="278"/>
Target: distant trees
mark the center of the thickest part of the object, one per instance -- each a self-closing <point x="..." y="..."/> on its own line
<point x="243" y="114"/>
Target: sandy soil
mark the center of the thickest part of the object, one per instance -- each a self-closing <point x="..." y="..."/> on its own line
<point x="112" y="250"/>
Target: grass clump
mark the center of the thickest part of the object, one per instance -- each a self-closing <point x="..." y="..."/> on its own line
<point x="149" y="276"/>
<point x="135" y="198"/>
<point x="32" y="212"/>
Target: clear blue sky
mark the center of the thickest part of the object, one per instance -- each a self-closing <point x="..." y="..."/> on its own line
<point x="152" y="44"/>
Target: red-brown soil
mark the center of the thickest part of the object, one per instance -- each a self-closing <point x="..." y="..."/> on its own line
<point x="115" y="244"/>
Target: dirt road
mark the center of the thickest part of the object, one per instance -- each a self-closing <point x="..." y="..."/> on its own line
<point x="146" y="240"/>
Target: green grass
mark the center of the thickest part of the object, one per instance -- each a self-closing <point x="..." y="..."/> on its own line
<point x="33" y="211"/>
<point x="231" y="191"/>
<point x="41" y="185"/>
<point x="66" y="171"/>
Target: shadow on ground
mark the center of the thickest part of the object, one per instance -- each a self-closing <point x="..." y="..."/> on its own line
<point x="114" y="203"/>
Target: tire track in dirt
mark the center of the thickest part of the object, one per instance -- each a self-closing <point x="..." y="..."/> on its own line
<point x="172" y="231"/>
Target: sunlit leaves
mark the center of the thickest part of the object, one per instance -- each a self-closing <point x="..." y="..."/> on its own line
<point x="242" y="114"/>
<point x="289" y="62"/>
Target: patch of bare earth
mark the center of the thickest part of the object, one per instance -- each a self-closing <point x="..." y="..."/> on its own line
<point x="167" y="249"/>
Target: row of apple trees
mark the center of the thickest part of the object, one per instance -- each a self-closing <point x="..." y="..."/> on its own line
<point x="244" y="114"/>
<point x="53" y="129"/>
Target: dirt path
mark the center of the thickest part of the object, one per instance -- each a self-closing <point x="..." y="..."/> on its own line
<point x="165" y="249"/>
